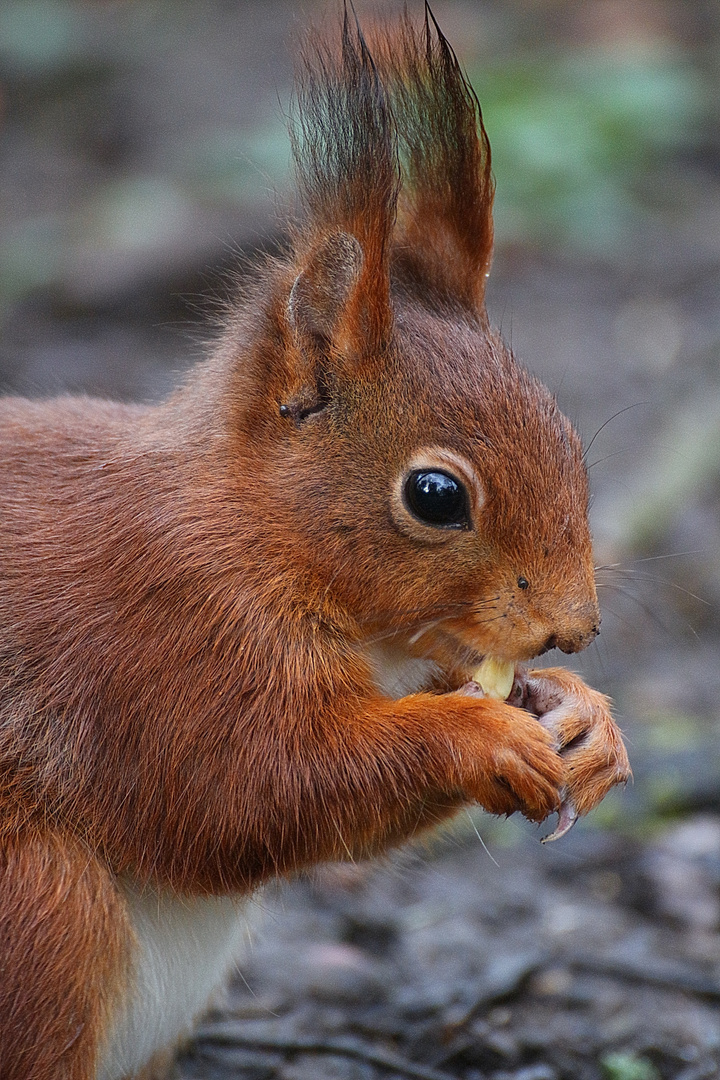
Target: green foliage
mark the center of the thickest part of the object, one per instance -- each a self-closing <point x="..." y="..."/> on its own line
<point x="237" y="166"/>
<point x="576" y="136"/>
<point x="39" y="36"/>
<point x="628" y="1067"/>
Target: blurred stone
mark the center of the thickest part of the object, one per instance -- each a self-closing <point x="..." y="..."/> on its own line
<point x="335" y="972"/>
<point x="505" y="974"/>
<point x="531" y="1072"/>
<point x="244" y="1064"/>
<point x="503" y="1043"/>
<point x="684" y="868"/>
<point x="705" y="1070"/>
<point x="326" y="1067"/>
<point x="554" y="982"/>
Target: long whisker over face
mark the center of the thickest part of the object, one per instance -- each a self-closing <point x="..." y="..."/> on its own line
<point x="409" y="619"/>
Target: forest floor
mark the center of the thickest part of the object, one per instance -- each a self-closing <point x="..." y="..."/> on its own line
<point x="595" y="957"/>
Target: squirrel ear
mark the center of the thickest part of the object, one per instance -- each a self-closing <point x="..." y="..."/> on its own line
<point x="322" y="291"/>
<point x="444" y="235"/>
<point x="320" y="314"/>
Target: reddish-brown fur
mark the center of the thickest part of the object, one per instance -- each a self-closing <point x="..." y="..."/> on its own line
<point x="190" y="594"/>
<point x="63" y="947"/>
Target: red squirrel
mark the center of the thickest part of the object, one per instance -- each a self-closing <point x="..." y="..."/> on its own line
<point x="238" y="629"/>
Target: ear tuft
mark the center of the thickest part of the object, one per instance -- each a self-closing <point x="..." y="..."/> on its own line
<point x="444" y="236"/>
<point x="322" y="290"/>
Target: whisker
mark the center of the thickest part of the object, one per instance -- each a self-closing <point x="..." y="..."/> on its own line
<point x="609" y="421"/>
<point x="670" y="555"/>
<point x="422" y="619"/>
<point x="419" y="633"/>
<point x="482" y="842"/>
<point x="416" y="619"/>
<point x="615" y="453"/>
<point x="654" y="618"/>
<point x="427" y="611"/>
<point x="408" y="618"/>
<point x="638" y="575"/>
<point x="649" y="558"/>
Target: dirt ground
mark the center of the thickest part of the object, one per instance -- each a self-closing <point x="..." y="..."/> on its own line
<point x="595" y="957"/>
<point x="141" y="154"/>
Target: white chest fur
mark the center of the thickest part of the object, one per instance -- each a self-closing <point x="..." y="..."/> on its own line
<point x="185" y="948"/>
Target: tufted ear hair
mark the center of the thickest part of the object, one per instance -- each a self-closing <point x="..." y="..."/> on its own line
<point x="322" y="293"/>
<point x="393" y="166"/>
<point x="345" y="152"/>
<point x="444" y="238"/>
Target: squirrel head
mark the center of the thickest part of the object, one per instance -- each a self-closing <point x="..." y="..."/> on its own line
<point x="420" y="477"/>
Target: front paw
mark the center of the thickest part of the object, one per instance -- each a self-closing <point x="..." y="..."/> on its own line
<point x="586" y="736"/>
<point x="512" y="761"/>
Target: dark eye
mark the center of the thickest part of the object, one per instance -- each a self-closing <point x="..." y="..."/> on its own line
<point x="438" y="499"/>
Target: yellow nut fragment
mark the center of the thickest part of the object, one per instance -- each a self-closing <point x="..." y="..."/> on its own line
<point x="496" y="677"/>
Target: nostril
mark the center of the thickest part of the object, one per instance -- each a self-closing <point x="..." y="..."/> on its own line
<point x="572" y="642"/>
<point x="579" y="641"/>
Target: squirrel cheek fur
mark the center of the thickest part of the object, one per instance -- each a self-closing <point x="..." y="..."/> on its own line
<point x="229" y="647"/>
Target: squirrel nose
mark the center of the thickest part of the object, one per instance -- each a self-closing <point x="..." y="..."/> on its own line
<point x="572" y="642"/>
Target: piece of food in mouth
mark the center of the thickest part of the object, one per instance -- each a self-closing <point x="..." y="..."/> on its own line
<point x="496" y="677"/>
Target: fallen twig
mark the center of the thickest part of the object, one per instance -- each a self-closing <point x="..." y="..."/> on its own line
<point x="668" y="979"/>
<point x="502" y="982"/>
<point x="231" y="1035"/>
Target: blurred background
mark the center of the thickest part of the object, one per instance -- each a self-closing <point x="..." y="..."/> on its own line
<point x="144" y="155"/>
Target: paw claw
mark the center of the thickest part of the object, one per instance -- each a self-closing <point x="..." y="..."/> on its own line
<point x="567" y="816"/>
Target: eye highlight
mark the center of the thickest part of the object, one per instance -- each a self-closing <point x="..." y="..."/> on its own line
<point x="436" y="498"/>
